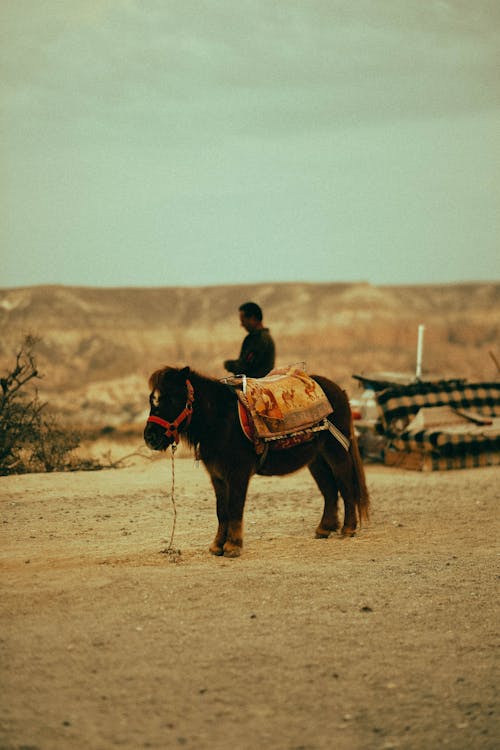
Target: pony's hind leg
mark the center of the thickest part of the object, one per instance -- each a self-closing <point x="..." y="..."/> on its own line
<point x="325" y="480"/>
<point x="342" y="467"/>
<point x="345" y="479"/>
<point x="350" y="516"/>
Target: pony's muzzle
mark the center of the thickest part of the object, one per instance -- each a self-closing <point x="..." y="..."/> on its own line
<point x="155" y="438"/>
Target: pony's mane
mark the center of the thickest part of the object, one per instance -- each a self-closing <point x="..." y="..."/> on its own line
<point x="156" y="378"/>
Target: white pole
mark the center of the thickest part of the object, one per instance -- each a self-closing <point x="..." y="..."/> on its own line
<point x="420" y="347"/>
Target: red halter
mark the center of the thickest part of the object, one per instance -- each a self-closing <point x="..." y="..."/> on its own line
<point x="172" y="428"/>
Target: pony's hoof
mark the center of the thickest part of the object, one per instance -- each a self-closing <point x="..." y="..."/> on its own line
<point x="348" y="532"/>
<point x="322" y="534"/>
<point x="231" y="550"/>
<point x="216" y="550"/>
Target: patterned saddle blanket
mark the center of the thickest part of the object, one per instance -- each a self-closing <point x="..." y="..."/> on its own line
<point x="282" y="403"/>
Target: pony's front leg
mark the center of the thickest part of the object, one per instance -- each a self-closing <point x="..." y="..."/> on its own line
<point x="230" y="484"/>
<point x="237" y="493"/>
<point x="220" y="488"/>
<point x="230" y="505"/>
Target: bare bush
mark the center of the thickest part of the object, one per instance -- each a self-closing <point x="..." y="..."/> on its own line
<point x="52" y="447"/>
<point x="29" y="439"/>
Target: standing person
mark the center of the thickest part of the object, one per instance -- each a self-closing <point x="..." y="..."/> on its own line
<point x="257" y="351"/>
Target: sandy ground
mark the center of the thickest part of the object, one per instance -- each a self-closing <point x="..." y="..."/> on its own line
<point x="383" y="641"/>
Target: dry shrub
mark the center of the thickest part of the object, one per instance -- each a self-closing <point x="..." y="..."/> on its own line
<point x="31" y="440"/>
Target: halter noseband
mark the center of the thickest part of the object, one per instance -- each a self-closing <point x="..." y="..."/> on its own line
<point x="172" y="428"/>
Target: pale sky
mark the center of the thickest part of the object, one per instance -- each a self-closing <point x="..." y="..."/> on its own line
<point x="174" y="142"/>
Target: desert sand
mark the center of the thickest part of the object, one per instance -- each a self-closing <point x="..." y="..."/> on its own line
<point x="386" y="640"/>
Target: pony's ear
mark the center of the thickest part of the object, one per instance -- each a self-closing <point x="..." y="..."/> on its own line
<point x="185" y="372"/>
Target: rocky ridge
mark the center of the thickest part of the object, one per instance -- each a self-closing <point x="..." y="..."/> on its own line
<point x="97" y="346"/>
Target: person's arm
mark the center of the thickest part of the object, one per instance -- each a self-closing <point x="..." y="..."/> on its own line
<point x="238" y="366"/>
<point x="232" y="365"/>
<point x="256" y="357"/>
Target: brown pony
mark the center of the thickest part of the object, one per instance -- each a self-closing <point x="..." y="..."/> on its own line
<point x="202" y="412"/>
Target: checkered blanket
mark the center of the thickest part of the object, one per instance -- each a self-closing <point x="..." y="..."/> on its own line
<point x="471" y="426"/>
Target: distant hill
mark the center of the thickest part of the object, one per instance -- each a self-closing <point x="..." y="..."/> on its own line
<point x="98" y="346"/>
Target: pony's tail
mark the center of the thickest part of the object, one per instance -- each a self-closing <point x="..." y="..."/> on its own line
<point x="363" y="498"/>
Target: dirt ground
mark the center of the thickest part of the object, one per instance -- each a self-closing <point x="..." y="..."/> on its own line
<point x="383" y="641"/>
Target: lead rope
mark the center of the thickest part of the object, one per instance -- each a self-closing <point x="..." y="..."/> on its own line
<point x="173" y="554"/>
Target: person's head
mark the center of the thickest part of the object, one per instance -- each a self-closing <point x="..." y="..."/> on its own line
<point x="250" y="316"/>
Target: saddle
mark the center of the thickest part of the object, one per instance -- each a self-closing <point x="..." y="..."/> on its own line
<point x="281" y="409"/>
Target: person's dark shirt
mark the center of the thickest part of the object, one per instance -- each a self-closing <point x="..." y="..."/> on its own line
<point x="256" y="356"/>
